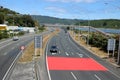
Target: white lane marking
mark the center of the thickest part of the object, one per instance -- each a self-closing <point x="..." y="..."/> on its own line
<point x="12" y="48"/>
<point x="17" y="44"/>
<point x="68" y="48"/>
<point x="47" y="60"/>
<point x="4" y="41"/>
<point x="66" y="53"/>
<point x="11" y="65"/>
<point x="97" y="77"/>
<point x="59" y="52"/>
<point x="79" y="48"/>
<point x="114" y="74"/>
<point x="5" y="53"/>
<point x="80" y="55"/>
<point x="74" y="76"/>
<point x="72" y="53"/>
<point x="5" y="45"/>
<point x="92" y="58"/>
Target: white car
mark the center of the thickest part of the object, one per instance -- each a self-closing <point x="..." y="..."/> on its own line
<point x="15" y="38"/>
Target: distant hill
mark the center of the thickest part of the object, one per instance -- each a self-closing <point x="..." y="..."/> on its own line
<point x="53" y="20"/>
<point x="11" y="17"/>
<point x="103" y="23"/>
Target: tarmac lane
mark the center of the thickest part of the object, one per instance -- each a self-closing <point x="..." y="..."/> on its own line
<point x="71" y="63"/>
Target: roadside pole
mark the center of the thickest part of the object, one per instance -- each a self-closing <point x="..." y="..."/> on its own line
<point x="88" y="32"/>
<point x="22" y="48"/>
<point x="38" y="48"/>
<point x="79" y="32"/>
<point x="74" y="31"/>
<point x="37" y="43"/>
<point x="118" y="61"/>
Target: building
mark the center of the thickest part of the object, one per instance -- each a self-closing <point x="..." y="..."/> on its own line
<point x="16" y="28"/>
<point x="12" y="28"/>
<point x="27" y="29"/>
<point x="3" y="27"/>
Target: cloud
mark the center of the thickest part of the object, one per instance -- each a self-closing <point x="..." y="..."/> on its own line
<point x="76" y="1"/>
<point x="56" y="9"/>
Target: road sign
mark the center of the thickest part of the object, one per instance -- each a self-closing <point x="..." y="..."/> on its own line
<point x="38" y="41"/>
<point x="111" y="44"/>
<point x="22" y="47"/>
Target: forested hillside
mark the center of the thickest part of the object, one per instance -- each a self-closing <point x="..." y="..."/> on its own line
<point x="53" y="20"/>
<point x="105" y="23"/>
<point x="11" y="17"/>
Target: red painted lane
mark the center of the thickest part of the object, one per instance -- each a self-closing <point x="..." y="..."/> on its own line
<point x="62" y="63"/>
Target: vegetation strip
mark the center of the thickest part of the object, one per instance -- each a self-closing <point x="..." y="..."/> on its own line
<point x="29" y="51"/>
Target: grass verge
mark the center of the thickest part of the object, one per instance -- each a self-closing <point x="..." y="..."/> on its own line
<point x="29" y="50"/>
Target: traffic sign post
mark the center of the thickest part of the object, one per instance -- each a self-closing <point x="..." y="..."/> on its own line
<point x="37" y="43"/>
<point x="22" y="48"/>
<point x="111" y="46"/>
<point x="118" y="61"/>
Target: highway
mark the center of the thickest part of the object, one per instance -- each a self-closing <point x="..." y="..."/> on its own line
<point x="73" y="62"/>
<point x="10" y="49"/>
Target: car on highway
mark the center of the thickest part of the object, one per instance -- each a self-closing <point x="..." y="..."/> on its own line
<point x="54" y="49"/>
<point x="15" y="38"/>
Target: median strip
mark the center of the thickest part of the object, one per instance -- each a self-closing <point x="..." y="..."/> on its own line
<point x="29" y="50"/>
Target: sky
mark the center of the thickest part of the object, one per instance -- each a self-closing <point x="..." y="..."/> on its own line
<point x="68" y="9"/>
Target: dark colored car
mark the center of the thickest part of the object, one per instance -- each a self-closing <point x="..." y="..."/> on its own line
<point x="53" y="49"/>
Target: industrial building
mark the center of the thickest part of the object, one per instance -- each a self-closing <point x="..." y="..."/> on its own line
<point x="26" y="29"/>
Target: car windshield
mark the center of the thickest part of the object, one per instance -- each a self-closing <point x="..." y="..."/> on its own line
<point x="54" y="47"/>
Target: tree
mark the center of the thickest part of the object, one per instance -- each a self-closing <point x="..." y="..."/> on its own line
<point x="1" y="18"/>
<point x="104" y="24"/>
<point x="68" y="28"/>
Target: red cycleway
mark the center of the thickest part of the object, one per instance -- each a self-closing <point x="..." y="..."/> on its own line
<point x="67" y="63"/>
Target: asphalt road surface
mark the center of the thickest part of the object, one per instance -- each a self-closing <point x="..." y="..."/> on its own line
<point x="74" y="63"/>
<point x="9" y="50"/>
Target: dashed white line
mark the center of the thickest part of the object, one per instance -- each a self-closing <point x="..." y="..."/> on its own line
<point x="59" y="52"/>
<point x="97" y="77"/>
<point x="17" y="44"/>
<point x="5" y="45"/>
<point x="12" y="48"/>
<point x="72" y="54"/>
<point x="5" y="53"/>
<point x="74" y="76"/>
<point x="80" y="55"/>
<point x="66" y="53"/>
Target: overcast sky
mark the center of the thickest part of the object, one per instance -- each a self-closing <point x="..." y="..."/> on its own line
<point x="71" y="9"/>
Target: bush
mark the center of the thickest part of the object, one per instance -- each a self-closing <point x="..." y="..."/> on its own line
<point x="98" y="40"/>
<point x="4" y="34"/>
<point x="21" y="33"/>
